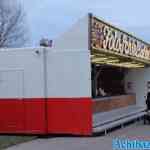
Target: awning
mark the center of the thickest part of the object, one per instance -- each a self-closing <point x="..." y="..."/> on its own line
<point x="112" y="46"/>
<point x="111" y="59"/>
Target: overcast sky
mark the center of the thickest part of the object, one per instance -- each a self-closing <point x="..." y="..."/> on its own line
<point x="49" y="18"/>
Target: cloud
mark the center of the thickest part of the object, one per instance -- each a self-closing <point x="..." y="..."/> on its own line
<point x="50" y="18"/>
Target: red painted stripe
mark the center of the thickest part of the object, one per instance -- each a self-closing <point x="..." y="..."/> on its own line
<point x="11" y="116"/>
<point x="37" y="116"/>
<point x="35" y="121"/>
<point x="70" y="115"/>
<point x="22" y="116"/>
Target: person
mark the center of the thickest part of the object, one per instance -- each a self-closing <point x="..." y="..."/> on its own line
<point x="148" y="101"/>
<point x="147" y="116"/>
<point x="148" y="96"/>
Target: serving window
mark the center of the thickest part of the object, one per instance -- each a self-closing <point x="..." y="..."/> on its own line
<point x="107" y="81"/>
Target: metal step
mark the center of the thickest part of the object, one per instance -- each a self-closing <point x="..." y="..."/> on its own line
<point x="114" y="115"/>
<point x="110" y="125"/>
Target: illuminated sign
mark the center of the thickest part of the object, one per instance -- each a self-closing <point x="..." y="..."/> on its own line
<point x="106" y="37"/>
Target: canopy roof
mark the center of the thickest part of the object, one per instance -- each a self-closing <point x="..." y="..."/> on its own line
<point x="112" y="46"/>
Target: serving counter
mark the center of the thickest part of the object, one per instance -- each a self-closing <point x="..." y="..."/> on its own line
<point x="104" y="104"/>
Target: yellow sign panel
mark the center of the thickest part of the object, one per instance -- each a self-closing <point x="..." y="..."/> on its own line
<point x="107" y="37"/>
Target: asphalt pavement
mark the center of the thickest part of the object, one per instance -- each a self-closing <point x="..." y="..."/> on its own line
<point x="99" y="142"/>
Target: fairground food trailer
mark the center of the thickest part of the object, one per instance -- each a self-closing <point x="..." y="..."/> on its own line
<point x="92" y="79"/>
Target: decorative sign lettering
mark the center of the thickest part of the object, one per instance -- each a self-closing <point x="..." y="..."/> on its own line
<point x="106" y="37"/>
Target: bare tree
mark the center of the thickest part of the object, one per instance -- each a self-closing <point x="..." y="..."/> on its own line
<point x="13" y="30"/>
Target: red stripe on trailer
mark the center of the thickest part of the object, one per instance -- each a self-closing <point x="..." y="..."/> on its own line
<point x="37" y="116"/>
<point x="22" y="116"/>
<point x="12" y="118"/>
<point x="70" y="116"/>
<point x="35" y="113"/>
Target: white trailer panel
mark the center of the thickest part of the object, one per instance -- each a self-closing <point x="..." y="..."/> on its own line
<point x="139" y="78"/>
<point x="21" y="70"/>
<point x="68" y="73"/>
